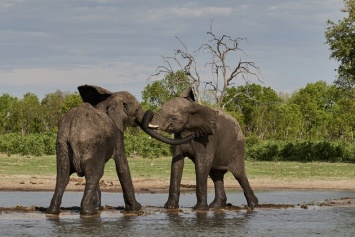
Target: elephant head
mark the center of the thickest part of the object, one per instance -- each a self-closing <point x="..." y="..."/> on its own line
<point x="181" y="115"/>
<point x="122" y="108"/>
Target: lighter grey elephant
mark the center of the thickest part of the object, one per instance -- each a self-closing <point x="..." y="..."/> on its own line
<point x="217" y="147"/>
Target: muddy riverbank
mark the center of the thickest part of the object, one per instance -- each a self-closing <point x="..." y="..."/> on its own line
<point x="47" y="183"/>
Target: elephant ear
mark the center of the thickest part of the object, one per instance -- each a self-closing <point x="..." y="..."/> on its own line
<point x="117" y="110"/>
<point x="188" y="94"/>
<point x="202" y="120"/>
<point x="93" y="94"/>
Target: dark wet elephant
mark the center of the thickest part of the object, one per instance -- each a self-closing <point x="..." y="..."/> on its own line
<point x="217" y="147"/>
<point x="88" y="136"/>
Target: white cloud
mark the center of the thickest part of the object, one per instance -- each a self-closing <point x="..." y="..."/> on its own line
<point x="197" y="12"/>
<point x="6" y="4"/>
<point x="39" y="38"/>
<point x="184" y="12"/>
<point x="118" y="72"/>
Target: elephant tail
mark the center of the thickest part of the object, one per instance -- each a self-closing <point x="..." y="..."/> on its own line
<point x="77" y="162"/>
<point x="68" y="158"/>
<point x="64" y="156"/>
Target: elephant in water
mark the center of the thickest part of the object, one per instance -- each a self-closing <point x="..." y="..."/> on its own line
<point x="217" y="146"/>
<point x="88" y="136"/>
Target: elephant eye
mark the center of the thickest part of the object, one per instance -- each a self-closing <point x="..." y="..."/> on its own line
<point x="173" y="117"/>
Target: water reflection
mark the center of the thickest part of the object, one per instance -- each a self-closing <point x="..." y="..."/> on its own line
<point x="81" y="226"/>
<point x="156" y="221"/>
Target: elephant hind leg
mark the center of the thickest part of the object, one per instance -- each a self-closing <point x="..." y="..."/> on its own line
<point x="92" y="194"/>
<point x="220" y="199"/>
<point x="241" y="177"/>
<point x="62" y="180"/>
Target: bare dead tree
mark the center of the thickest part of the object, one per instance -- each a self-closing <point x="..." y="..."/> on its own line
<point x="223" y="50"/>
<point x="224" y="74"/>
<point x="184" y="62"/>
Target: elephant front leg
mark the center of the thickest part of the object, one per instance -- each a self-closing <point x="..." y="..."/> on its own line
<point x="201" y="185"/>
<point x="220" y="200"/>
<point x="124" y="176"/>
<point x="201" y="192"/>
<point x="177" y="167"/>
<point x="241" y="177"/>
<point x="125" y="179"/>
<point x="97" y="198"/>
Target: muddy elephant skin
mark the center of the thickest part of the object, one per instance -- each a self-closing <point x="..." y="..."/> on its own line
<point x="217" y="147"/>
<point x="88" y="136"/>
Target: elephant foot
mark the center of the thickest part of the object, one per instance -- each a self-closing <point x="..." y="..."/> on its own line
<point x="201" y="207"/>
<point x="171" y="204"/>
<point x="255" y="200"/>
<point x="53" y="210"/>
<point x="98" y="206"/>
<point x="88" y="211"/>
<point x="218" y="204"/>
<point x="252" y="202"/>
<point x="136" y="206"/>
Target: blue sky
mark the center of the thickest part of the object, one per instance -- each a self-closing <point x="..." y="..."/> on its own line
<point x="47" y="45"/>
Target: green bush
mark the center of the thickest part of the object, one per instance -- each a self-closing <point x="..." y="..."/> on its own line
<point x="44" y="144"/>
<point x="302" y="151"/>
<point x="263" y="151"/>
<point x="144" y="146"/>
<point x="348" y="152"/>
<point x="140" y="144"/>
<point x="33" y="144"/>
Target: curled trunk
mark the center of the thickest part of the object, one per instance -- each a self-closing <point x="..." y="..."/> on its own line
<point x="145" y="122"/>
<point x="139" y="116"/>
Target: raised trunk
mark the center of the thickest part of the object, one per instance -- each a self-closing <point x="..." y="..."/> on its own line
<point x="148" y="115"/>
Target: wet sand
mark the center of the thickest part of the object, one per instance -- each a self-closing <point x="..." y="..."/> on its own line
<point x="144" y="185"/>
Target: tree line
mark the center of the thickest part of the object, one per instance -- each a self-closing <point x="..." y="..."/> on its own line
<point x="29" y="115"/>
<point x="316" y="122"/>
<point x="316" y="112"/>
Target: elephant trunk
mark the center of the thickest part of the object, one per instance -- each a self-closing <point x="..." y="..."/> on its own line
<point x="139" y="116"/>
<point x="148" y="115"/>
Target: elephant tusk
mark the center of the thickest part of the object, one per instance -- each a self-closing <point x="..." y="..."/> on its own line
<point x="153" y="126"/>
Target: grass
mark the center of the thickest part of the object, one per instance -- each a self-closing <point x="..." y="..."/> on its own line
<point x="301" y="170"/>
<point x="159" y="168"/>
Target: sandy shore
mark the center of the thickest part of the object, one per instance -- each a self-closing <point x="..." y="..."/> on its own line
<point x="47" y="183"/>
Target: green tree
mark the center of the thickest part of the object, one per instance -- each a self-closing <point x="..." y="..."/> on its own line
<point x="288" y="121"/>
<point x="157" y="92"/>
<point x="257" y="104"/>
<point x="7" y="103"/>
<point x="316" y="102"/>
<point x="52" y="109"/>
<point x="341" y="126"/>
<point x="27" y="114"/>
<point x="340" y="37"/>
<point x="71" y="100"/>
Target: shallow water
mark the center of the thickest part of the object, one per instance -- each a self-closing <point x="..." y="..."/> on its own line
<point x="155" y="221"/>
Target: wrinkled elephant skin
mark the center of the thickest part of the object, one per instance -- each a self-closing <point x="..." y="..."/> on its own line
<point x="217" y="147"/>
<point x="88" y="136"/>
